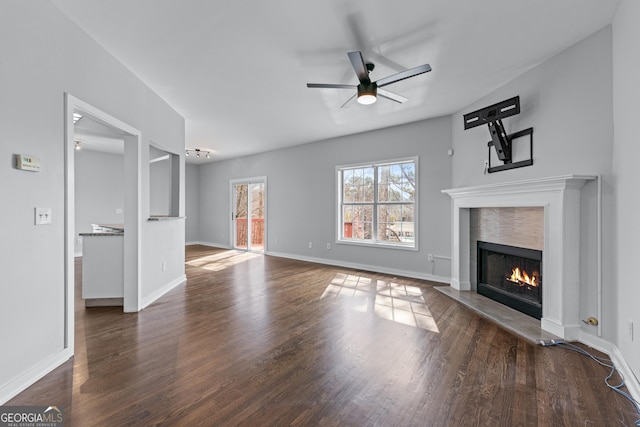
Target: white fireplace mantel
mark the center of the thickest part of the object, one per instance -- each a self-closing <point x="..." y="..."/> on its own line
<point x="560" y="197"/>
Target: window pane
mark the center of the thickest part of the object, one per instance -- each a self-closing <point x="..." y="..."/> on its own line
<point x="383" y="183"/>
<point x="396" y="183"/>
<point x="357" y="222"/>
<point x="367" y="185"/>
<point x="357" y="185"/>
<point x="396" y="223"/>
<point x="348" y="187"/>
<point x="409" y="181"/>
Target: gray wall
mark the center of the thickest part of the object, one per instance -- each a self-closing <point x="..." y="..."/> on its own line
<point x="626" y="152"/>
<point x="45" y="55"/>
<point x="192" y="194"/>
<point x="99" y="191"/>
<point x="568" y="100"/>
<point x="301" y="197"/>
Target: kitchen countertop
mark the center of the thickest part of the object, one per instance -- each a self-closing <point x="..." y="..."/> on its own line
<point x="106" y="230"/>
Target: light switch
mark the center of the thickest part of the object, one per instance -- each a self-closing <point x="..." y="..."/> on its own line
<point x="42" y="216"/>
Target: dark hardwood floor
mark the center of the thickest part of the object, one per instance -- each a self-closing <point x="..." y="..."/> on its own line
<point x="263" y="341"/>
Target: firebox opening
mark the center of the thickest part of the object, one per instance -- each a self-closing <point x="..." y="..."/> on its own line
<point x="511" y="275"/>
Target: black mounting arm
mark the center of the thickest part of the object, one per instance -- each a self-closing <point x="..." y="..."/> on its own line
<point x="501" y="141"/>
<point x="492" y="116"/>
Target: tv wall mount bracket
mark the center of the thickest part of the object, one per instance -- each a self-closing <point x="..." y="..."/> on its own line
<point x="501" y="141"/>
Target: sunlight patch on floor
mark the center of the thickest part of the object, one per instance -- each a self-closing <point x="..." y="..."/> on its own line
<point x="220" y="261"/>
<point x="398" y="303"/>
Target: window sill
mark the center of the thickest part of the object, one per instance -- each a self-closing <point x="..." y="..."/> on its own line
<point x="380" y="245"/>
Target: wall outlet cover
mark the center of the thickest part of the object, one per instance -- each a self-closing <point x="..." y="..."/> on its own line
<point x="42" y="216"/>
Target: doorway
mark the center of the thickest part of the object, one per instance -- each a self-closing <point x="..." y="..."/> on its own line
<point x="132" y="208"/>
<point x="248" y="214"/>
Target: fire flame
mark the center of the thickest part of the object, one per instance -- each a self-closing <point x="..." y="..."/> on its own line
<point x="522" y="278"/>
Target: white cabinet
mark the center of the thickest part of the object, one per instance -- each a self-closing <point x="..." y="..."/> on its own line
<point x="103" y="269"/>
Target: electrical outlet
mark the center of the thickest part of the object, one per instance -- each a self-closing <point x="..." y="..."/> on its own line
<point x="164" y="265"/>
<point x="328" y="246"/>
<point x="78" y="240"/>
<point x="310" y="245"/>
<point x="430" y="257"/>
<point x="630" y="329"/>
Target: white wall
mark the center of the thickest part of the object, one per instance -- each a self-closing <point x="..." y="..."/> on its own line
<point x="192" y="201"/>
<point x="43" y="55"/>
<point x="568" y="100"/>
<point x="301" y="197"/>
<point x="626" y="152"/>
<point x="99" y="190"/>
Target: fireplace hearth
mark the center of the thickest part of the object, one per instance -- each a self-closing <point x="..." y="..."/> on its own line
<point x="511" y="275"/>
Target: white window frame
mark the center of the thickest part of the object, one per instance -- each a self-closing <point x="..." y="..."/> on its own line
<point x="375" y="242"/>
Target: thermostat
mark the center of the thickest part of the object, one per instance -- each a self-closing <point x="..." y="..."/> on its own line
<point x="27" y="163"/>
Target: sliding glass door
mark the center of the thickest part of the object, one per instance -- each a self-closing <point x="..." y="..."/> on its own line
<point x="248" y="214"/>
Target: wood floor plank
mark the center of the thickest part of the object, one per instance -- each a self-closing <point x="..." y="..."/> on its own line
<point x="259" y="340"/>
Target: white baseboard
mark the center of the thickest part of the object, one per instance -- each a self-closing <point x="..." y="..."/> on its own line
<point x="374" y="268"/>
<point x="160" y="292"/>
<point x="630" y="380"/>
<point x="213" y="245"/>
<point x="566" y="332"/>
<point x="33" y="374"/>
<point x="366" y="267"/>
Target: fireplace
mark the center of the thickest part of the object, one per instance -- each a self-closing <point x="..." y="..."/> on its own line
<point x="511" y="275"/>
<point x="560" y="198"/>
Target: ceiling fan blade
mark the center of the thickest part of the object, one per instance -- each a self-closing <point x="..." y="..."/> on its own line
<point x="357" y="61"/>
<point x="392" y="96"/>
<point x="330" y="86"/>
<point x="349" y="100"/>
<point x="403" y="75"/>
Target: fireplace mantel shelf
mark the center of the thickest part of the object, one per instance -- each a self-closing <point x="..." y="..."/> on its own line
<point x="560" y="198"/>
<point x="517" y="187"/>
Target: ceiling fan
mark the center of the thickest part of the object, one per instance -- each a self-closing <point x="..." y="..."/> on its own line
<point x="367" y="90"/>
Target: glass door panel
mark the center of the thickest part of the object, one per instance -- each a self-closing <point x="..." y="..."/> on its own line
<point x="248" y="216"/>
<point x="256" y="203"/>
<point x="240" y="214"/>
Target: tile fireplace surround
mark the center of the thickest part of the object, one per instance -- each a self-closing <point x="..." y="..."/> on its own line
<point x="560" y="198"/>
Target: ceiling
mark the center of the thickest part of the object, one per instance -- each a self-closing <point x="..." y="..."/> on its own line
<point x="237" y="71"/>
<point x="91" y="134"/>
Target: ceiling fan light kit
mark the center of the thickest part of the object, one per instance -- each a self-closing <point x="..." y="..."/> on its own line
<point x="367" y="94"/>
<point x="368" y="91"/>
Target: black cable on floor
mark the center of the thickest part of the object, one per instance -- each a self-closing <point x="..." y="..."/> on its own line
<point x="604" y="362"/>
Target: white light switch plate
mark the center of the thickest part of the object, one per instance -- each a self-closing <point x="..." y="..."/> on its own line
<point x="42" y="216"/>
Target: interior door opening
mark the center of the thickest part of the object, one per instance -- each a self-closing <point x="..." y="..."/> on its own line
<point x="132" y="207"/>
<point x="249" y="214"/>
